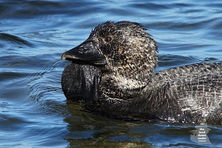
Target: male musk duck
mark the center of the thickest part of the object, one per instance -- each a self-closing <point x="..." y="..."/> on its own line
<point x="112" y="72"/>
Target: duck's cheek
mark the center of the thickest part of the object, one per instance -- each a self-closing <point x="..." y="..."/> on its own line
<point x="80" y="82"/>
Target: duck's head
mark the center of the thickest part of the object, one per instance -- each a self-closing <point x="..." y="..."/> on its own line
<point x="124" y="52"/>
<point x="123" y="47"/>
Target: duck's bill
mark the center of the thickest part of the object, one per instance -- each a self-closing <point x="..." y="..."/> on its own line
<point x="87" y="52"/>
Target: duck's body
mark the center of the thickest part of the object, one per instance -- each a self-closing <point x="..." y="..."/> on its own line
<point x="187" y="94"/>
<point x="117" y="77"/>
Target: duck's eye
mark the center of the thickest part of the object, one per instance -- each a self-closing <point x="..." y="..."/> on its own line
<point x="108" y="39"/>
<point x="106" y="51"/>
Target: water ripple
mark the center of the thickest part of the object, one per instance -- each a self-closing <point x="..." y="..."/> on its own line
<point x="33" y="34"/>
<point x="13" y="39"/>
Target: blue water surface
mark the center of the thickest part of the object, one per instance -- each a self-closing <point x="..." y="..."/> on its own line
<point x="33" y="35"/>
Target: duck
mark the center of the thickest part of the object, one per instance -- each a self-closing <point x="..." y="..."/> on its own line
<point x="113" y="73"/>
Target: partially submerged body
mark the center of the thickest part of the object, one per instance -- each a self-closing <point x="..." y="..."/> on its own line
<point x="113" y="73"/>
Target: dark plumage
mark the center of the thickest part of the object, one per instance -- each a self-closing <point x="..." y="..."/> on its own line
<point x="113" y="73"/>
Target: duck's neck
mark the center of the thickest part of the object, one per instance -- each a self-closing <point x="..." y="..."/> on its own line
<point x="125" y="98"/>
<point x="119" y="93"/>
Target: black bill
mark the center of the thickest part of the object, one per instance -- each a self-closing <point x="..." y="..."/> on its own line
<point x="87" y="52"/>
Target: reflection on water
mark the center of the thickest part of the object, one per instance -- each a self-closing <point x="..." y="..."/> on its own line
<point x="33" y="34"/>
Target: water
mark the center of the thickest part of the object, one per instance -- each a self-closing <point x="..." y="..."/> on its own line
<point x="34" y="34"/>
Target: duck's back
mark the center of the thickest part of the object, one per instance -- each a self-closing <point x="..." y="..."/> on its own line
<point x="190" y="94"/>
